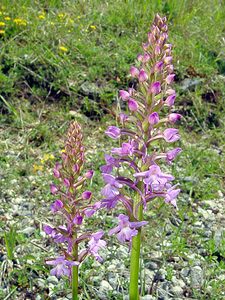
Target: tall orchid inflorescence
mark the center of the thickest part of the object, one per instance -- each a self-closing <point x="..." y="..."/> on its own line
<point x="132" y="173"/>
<point x="73" y="204"/>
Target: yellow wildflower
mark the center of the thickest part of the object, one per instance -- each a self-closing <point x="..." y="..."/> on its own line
<point x="2" y="23"/>
<point x="93" y="27"/>
<point x="7" y="18"/>
<point x="42" y="16"/>
<point x="19" y="21"/>
<point x="2" y="31"/>
<point x="71" y="21"/>
<point x="63" y="49"/>
<point x="51" y="156"/>
<point x="47" y="157"/>
<point x="61" y="15"/>
<point x="37" y="167"/>
<point x="63" y="151"/>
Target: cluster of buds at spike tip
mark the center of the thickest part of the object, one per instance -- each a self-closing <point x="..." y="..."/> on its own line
<point x="149" y="121"/>
<point x="73" y="203"/>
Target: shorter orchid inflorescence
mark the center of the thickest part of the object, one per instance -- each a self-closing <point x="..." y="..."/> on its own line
<point x="73" y="203"/>
<point x="133" y="173"/>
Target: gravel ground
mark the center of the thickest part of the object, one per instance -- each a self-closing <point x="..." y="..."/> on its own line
<point x="183" y="256"/>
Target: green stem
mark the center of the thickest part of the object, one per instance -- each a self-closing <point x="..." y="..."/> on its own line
<point x="75" y="274"/>
<point x="135" y="257"/>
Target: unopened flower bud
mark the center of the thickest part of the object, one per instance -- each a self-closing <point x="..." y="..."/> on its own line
<point x="53" y="189"/>
<point x="168" y="46"/>
<point x="142" y="75"/>
<point x="132" y="104"/>
<point x="64" y="156"/>
<point x="153" y="118"/>
<point x="151" y="38"/>
<point x="157" y="50"/>
<point x="134" y="72"/>
<point x="170" y="78"/>
<point x="155" y="31"/>
<point x="123" y="117"/>
<point x="170" y="100"/>
<point x="164" y="28"/>
<point x="146" y="57"/>
<point x="145" y="46"/>
<point x="56" y="206"/>
<point x="158" y="66"/>
<point x="66" y="182"/>
<point x="56" y="173"/>
<point x="170" y="69"/>
<point x="86" y="195"/>
<point x="78" y="220"/>
<point x="158" y="20"/>
<point x="140" y="57"/>
<point x="168" y="52"/>
<point x="168" y="60"/>
<point x="170" y="92"/>
<point x="89" y="174"/>
<point x="173" y="118"/>
<point x="75" y="168"/>
<point x="155" y="88"/>
<point x="162" y="39"/>
<point x="124" y="95"/>
<point x="131" y="91"/>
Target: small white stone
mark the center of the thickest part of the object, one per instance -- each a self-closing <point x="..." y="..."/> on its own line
<point x="198" y="224"/>
<point x="181" y="283"/>
<point x="176" y="258"/>
<point x="105" y="286"/>
<point x="149" y="274"/>
<point x="28" y="230"/>
<point x="112" y="268"/>
<point x="41" y="283"/>
<point x="147" y="297"/>
<point x="177" y="290"/>
<point x="156" y="255"/>
<point x="196" y="276"/>
<point x="221" y="277"/>
<point x="52" y="279"/>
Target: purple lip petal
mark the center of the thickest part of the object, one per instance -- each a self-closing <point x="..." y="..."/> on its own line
<point x="171" y="135"/>
<point x="113" y="132"/>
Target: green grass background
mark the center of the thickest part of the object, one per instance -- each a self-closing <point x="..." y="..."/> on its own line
<point x="51" y="51"/>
